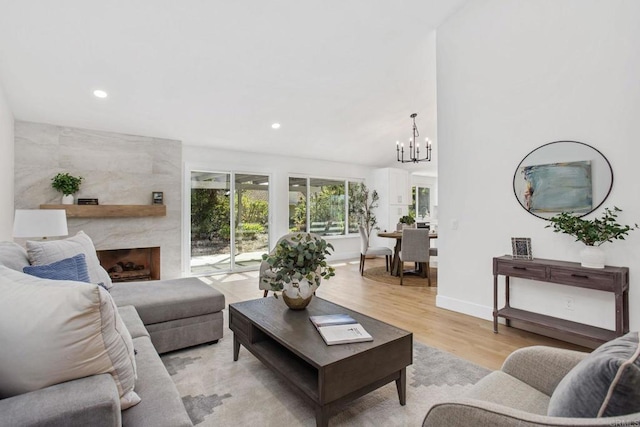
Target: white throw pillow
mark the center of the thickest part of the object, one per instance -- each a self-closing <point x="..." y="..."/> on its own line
<point x="47" y="252"/>
<point x="52" y="331"/>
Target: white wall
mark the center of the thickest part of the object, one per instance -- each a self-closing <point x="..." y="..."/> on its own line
<point x="6" y="169"/>
<point x="278" y="168"/>
<point x="513" y="75"/>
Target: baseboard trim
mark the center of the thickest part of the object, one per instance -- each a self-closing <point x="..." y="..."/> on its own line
<point x="465" y="307"/>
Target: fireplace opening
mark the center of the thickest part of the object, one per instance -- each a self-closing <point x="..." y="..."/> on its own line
<point x="126" y="265"/>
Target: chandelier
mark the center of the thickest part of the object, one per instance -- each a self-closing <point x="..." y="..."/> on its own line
<point x="414" y="147"/>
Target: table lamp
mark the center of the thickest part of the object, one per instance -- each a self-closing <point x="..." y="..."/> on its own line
<point x="41" y="223"/>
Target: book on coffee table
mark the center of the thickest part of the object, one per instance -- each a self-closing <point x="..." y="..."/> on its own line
<point x="332" y="319"/>
<point x="340" y="329"/>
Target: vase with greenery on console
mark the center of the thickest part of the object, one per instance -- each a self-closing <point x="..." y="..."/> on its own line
<point x="592" y="232"/>
<point x="68" y="185"/>
<point x="299" y="264"/>
<point x="406" y="221"/>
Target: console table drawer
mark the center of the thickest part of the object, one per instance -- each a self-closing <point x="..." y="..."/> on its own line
<point x="535" y="272"/>
<point x="583" y="279"/>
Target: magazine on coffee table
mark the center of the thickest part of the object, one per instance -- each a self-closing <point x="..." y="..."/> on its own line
<point x="332" y="319"/>
<point x="340" y="329"/>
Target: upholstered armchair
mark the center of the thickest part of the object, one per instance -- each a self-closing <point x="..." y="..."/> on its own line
<point x="537" y="381"/>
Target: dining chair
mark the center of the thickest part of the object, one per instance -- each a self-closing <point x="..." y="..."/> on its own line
<point x="415" y="248"/>
<point x="365" y="250"/>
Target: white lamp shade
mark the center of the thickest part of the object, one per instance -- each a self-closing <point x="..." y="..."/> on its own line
<point x="40" y="223"/>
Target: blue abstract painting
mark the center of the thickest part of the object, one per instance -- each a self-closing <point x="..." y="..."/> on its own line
<point x="557" y="187"/>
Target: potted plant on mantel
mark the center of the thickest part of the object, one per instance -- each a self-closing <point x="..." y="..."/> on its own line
<point x="68" y="185"/>
<point x="592" y="232"/>
<point x="299" y="264"/>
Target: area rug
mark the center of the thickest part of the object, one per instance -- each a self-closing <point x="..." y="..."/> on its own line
<point x="220" y="392"/>
<point x="380" y="274"/>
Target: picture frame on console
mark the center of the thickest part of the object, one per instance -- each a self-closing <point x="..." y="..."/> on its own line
<point x="521" y="248"/>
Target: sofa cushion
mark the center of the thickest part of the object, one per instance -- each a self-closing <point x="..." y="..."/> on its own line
<point x="56" y="330"/>
<point x="13" y="256"/>
<point x="605" y="384"/>
<point x="161" y="404"/>
<point x="91" y="401"/>
<point x="132" y="321"/>
<point x="41" y="253"/>
<point x="74" y="268"/>
<point x="502" y="388"/>
<point x="164" y="300"/>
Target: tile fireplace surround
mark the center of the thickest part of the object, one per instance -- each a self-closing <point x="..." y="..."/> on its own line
<point x="117" y="169"/>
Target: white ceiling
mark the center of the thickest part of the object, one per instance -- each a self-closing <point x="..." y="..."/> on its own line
<point x="341" y="76"/>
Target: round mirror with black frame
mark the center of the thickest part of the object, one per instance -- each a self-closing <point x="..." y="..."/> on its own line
<point x="563" y="176"/>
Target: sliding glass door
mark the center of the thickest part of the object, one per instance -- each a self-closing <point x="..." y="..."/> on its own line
<point x="229" y="221"/>
<point x="251" y="219"/>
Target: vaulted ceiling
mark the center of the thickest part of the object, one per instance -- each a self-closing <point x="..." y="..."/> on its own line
<point x="341" y="77"/>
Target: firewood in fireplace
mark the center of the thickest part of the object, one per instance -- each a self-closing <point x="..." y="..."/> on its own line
<point x="115" y="269"/>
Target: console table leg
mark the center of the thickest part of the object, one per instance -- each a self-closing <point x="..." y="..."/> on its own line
<point x="495" y="304"/>
<point x="401" y="385"/>
<point x="236" y="348"/>
<point x="625" y="311"/>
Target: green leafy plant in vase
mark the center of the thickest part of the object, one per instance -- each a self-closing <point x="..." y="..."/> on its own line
<point x="68" y="185"/>
<point x="592" y="232"/>
<point x="299" y="264"/>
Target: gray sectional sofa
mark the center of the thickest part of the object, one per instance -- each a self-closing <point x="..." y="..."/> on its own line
<point x="161" y="316"/>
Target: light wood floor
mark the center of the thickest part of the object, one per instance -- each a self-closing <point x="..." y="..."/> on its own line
<point x="410" y="308"/>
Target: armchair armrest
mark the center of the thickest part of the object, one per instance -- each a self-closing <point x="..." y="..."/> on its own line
<point x="542" y="367"/>
<point x="471" y="412"/>
<point x="90" y="401"/>
<point x="264" y="273"/>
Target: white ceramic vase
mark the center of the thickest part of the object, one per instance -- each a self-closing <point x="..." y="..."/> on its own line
<point x="592" y="257"/>
<point x="298" y="295"/>
<point x="67" y="199"/>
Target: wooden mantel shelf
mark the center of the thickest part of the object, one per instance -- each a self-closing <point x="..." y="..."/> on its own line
<point x="110" y="211"/>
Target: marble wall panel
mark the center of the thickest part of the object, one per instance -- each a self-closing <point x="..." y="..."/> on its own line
<point x="42" y="142"/>
<point x="116" y="169"/>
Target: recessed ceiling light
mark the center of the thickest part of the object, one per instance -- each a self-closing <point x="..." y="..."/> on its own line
<point x="276" y="126"/>
<point x="100" y="93"/>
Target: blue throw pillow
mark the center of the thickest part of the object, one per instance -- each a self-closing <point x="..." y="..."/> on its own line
<point x="74" y="268"/>
<point x="604" y="384"/>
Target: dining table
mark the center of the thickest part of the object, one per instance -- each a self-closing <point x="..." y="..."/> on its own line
<point x="396" y="265"/>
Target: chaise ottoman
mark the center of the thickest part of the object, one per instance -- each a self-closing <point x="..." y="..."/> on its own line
<point x="177" y="313"/>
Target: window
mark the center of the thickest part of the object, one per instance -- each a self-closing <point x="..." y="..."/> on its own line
<point x="297" y="204"/>
<point x="420" y="199"/>
<point x="326" y="207"/>
<point x="354" y="222"/>
<point x="320" y="205"/>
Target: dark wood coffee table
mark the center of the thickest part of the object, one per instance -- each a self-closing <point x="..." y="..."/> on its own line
<point x="328" y="376"/>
